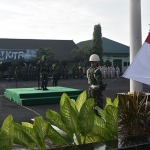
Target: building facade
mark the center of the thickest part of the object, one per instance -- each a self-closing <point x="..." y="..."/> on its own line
<point x="116" y="53"/>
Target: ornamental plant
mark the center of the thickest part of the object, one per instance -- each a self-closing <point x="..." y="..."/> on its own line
<point x="76" y="124"/>
<point x="134" y="115"/>
<point x="80" y="125"/>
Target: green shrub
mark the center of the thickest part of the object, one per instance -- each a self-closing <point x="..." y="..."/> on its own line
<point x="77" y="123"/>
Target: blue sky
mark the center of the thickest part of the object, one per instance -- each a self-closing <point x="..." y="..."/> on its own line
<point x="69" y="19"/>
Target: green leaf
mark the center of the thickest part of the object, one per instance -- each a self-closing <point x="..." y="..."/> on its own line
<point x="20" y="137"/>
<point x="73" y="104"/>
<point x="55" y="119"/>
<point x="100" y="112"/>
<point x="69" y="116"/>
<point x="99" y="121"/>
<point x="55" y="137"/>
<point x="86" y="117"/>
<point x="41" y="128"/>
<point x="80" y="100"/>
<point x="102" y="132"/>
<point x="111" y="115"/>
<point x="108" y="102"/>
<point x="90" y="138"/>
<point x="63" y="98"/>
<point x="7" y="133"/>
<point x="31" y="133"/>
<point x="27" y="124"/>
<point x="116" y="101"/>
<point x="37" y="132"/>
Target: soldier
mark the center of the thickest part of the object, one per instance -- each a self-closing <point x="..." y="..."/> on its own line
<point x="23" y="73"/>
<point x="117" y="71"/>
<point x="73" y="72"/>
<point x="81" y="72"/>
<point x="34" y="73"/>
<point x="96" y="86"/>
<point x="108" y="71"/>
<point x="44" y="70"/>
<point x="54" y="76"/>
<point x="66" y="72"/>
<point x="9" y="73"/>
<point x="77" y="72"/>
<point x="17" y="74"/>
<point x="63" y="72"/>
<point x="30" y="71"/>
<point x="113" y="71"/>
<point x="104" y="71"/>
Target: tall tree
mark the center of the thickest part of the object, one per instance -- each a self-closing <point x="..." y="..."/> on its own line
<point x="97" y="47"/>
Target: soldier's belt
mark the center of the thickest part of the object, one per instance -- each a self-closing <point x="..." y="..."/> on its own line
<point x="94" y="87"/>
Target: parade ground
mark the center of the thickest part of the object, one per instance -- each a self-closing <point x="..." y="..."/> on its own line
<point x="26" y="113"/>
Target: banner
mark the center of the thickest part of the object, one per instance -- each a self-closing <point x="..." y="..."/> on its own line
<point x="18" y="55"/>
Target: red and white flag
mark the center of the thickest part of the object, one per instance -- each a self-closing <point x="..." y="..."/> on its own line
<point x="139" y="69"/>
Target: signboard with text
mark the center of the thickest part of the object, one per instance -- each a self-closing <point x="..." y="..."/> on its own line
<point x="18" y="55"/>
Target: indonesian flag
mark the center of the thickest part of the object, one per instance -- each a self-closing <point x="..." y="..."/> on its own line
<point x="139" y="69"/>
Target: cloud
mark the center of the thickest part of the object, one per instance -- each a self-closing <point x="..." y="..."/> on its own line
<point x="65" y="19"/>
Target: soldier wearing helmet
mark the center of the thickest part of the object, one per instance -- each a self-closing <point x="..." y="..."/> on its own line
<point x="96" y="86"/>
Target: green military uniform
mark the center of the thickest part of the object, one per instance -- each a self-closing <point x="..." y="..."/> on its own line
<point x="9" y="73"/>
<point x="96" y="85"/>
<point x="73" y="72"/>
<point x="44" y="70"/>
<point x="17" y="77"/>
<point x="55" y="76"/>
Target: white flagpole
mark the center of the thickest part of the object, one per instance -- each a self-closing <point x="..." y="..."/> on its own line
<point x="135" y="38"/>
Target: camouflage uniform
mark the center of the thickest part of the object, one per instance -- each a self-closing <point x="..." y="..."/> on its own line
<point x="9" y="73"/>
<point x="81" y="72"/>
<point x="66" y="72"/>
<point x="17" y="74"/>
<point x="96" y="85"/>
<point x="55" y="76"/>
<point x="73" y="72"/>
<point x="44" y="70"/>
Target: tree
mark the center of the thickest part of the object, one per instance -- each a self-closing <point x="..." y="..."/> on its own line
<point x="44" y="51"/>
<point x="82" y="54"/>
<point x="97" y="47"/>
<point x="107" y="63"/>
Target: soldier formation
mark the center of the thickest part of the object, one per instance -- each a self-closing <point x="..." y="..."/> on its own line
<point x="77" y="72"/>
<point x="109" y="72"/>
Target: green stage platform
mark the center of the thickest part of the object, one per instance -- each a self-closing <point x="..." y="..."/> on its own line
<point x="30" y="96"/>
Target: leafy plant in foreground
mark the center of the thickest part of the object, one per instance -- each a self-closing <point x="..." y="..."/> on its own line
<point x="6" y="134"/>
<point x="77" y="123"/>
<point x="80" y="125"/>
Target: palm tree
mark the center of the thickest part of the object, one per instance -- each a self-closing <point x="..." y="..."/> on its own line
<point x="44" y="51"/>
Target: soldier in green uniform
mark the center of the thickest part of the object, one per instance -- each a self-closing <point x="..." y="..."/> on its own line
<point x="9" y="73"/>
<point x="73" y="72"/>
<point x="17" y="74"/>
<point x="44" y="70"/>
<point x="55" y="76"/>
<point x="96" y="85"/>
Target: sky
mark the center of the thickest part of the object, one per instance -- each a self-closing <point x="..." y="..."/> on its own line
<point x="69" y="19"/>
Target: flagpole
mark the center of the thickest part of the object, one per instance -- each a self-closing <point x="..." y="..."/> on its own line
<point x="135" y="38"/>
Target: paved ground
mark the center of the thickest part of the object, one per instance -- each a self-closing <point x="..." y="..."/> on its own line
<point x="24" y="114"/>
